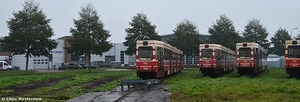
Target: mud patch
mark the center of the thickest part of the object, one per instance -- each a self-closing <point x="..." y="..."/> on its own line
<point x="93" y="84"/>
<point x="19" y="90"/>
<point x="157" y="93"/>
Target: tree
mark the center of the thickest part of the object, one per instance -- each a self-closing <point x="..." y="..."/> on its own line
<point x="255" y="32"/>
<point x="29" y="33"/>
<point x="89" y="35"/>
<point x="223" y="33"/>
<point x="187" y="38"/>
<point x="278" y="41"/>
<point x="297" y="37"/>
<point x="141" y="29"/>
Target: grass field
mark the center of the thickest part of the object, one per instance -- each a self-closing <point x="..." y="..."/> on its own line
<point x="273" y="85"/>
<point x="63" y="85"/>
<point x="188" y="86"/>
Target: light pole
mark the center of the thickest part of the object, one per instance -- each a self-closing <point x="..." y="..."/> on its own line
<point x="292" y="32"/>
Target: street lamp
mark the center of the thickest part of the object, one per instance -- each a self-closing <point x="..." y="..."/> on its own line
<point x="292" y="32"/>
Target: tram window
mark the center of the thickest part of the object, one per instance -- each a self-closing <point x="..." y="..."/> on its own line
<point x="145" y="53"/>
<point x="206" y="53"/>
<point x="245" y="52"/>
<point x="294" y="51"/>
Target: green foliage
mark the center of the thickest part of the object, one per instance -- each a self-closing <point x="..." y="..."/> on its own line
<point x="30" y="32"/>
<point x="297" y="37"/>
<point x="141" y="29"/>
<point x="223" y="33"/>
<point x="187" y="38"/>
<point x="278" y="41"/>
<point x="255" y="32"/>
<point x="89" y="35"/>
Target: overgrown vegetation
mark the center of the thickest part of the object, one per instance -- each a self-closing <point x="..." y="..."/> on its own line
<point x="9" y="78"/>
<point x="72" y="87"/>
<point x="273" y="85"/>
<point x="74" y="84"/>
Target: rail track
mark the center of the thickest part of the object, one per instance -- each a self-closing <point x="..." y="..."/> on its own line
<point x="141" y="85"/>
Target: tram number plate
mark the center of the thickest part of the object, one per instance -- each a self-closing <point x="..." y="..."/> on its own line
<point x="145" y="68"/>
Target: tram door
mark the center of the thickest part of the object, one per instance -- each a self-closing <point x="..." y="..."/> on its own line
<point x="176" y="62"/>
<point x="219" y="59"/>
<point x="256" y="59"/>
<point x="160" y="61"/>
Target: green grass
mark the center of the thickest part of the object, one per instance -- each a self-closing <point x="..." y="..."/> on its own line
<point x="67" y="89"/>
<point x="8" y="78"/>
<point x="273" y="85"/>
<point x="115" y="83"/>
<point x="64" y="89"/>
<point x="188" y="86"/>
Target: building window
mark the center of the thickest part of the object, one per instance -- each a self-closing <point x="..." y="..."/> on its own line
<point x="122" y="56"/>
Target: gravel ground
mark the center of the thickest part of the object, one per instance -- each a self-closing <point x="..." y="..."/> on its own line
<point x="155" y="93"/>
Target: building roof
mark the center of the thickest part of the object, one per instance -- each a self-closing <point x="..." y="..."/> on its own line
<point x="66" y="37"/>
<point x="172" y="34"/>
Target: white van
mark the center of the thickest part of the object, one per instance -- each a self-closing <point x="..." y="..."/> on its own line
<point x="5" y="66"/>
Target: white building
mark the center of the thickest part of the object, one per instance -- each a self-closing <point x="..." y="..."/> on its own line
<point x="115" y="54"/>
<point x="41" y="62"/>
<point x="60" y="55"/>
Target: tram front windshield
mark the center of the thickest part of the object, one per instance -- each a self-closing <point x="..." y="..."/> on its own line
<point x="294" y="51"/>
<point x="145" y="53"/>
<point x="206" y="53"/>
<point x="245" y="52"/>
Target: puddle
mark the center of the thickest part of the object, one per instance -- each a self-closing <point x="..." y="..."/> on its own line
<point x="155" y="93"/>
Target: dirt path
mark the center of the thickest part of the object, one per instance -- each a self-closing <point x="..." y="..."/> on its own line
<point x="88" y="86"/>
<point x="156" y="93"/>
<point x="19" y="90"/>
<point x="93" y="84"/>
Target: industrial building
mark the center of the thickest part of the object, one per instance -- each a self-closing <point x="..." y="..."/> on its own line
<point x="115" y="56"/>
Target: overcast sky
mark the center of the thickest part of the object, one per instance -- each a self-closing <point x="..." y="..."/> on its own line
<point x="165" y="14"/>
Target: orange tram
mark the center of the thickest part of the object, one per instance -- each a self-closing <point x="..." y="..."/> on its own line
<point x="292" y="57"/>
<point x="215" y="59"/>
<point x="251" y="58"/>
<point x="157" y="59"/>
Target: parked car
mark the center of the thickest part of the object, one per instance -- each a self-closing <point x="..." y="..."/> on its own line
<point x="15" y="67"/>
<point x="69" y="66"/>
<point x="5" y="66"/>
<point x="92" y="66"/>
